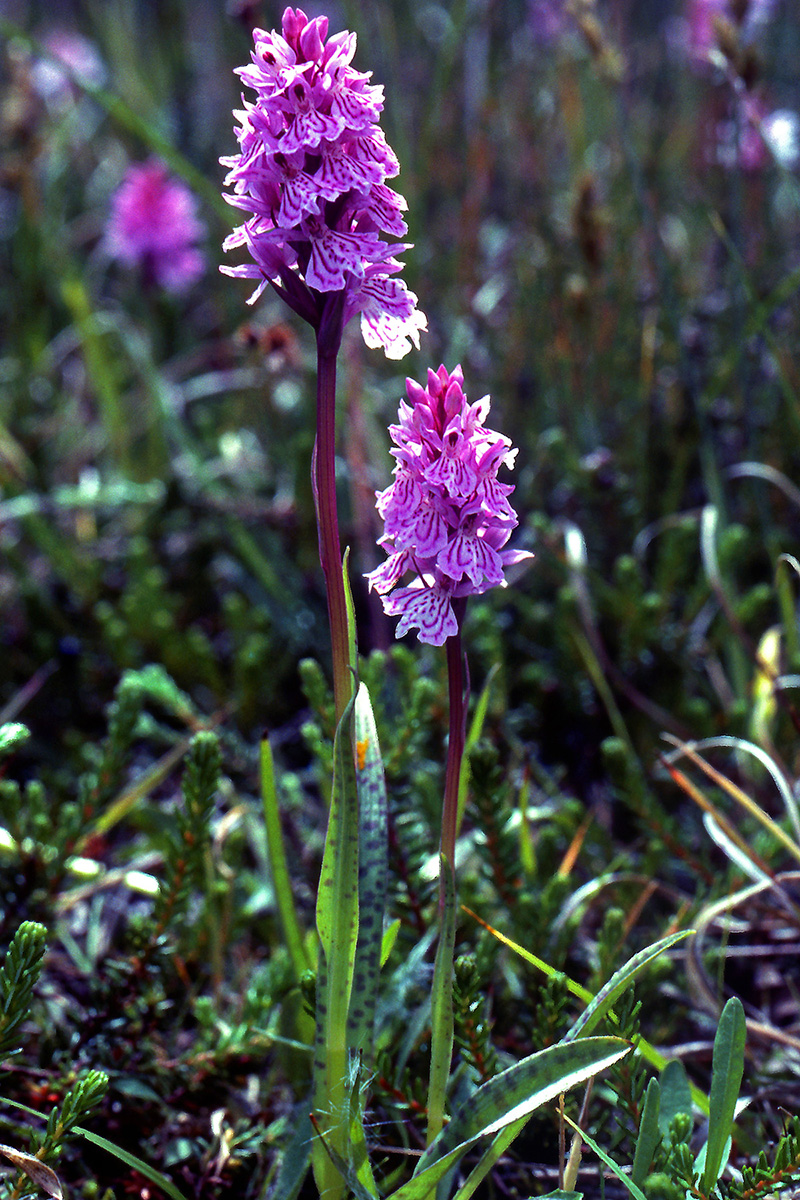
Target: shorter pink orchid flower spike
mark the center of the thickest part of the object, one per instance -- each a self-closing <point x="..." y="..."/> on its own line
<point x="447" y="516"/>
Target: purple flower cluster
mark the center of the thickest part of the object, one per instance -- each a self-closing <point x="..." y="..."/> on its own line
<point x="154" y="225"/>
<point x="311" y="169"/>
<point x="447" y="517"/>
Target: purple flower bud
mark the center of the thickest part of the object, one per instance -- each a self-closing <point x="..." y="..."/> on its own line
<point x="312" y="169"/>
<point x="447" y="517"/>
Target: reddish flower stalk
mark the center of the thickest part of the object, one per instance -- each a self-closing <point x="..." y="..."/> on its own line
<point x="447" y="519"/>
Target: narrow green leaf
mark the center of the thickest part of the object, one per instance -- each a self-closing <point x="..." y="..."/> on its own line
<point x="700" y="1160"/>
<point x="294" y="1161"/>
<point x="352" y="647"/>
<point x="493" y="1152"/>
<point x="337" y="898"/>
<point x="727" y="1068"/>
<point x="337" y="925"/>
<point x="522" y="1088"/>
<point x="389" y="939"/>
<point x="643" y="1047"/>
<point x="131" y="1160"/>
<point x="284" y="899"/>
<point x="633" y="1188"/>
<point x="619" y="982"/>
<point x="359" y="1148"/>
<point x="373" y="871"/>
<point x="676" y="1094"/>
<point x="649" y="1134"/>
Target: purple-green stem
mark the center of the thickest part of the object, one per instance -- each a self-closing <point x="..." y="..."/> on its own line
<point x="442" y="993"/>
<point x="455" y="748"/>
<point x="329" y="1180"/>
<point x="330" y="553"/>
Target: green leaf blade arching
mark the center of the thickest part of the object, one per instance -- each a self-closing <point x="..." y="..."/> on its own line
<point x="619" y="982"/>
<point x="132" y="1160"/>
<point x="521" y="1089"/>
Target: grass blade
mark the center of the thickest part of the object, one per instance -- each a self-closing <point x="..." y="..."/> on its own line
<point x="131" y="1160"/>
<point x="633" y="1188"/>
<point x="287" y="913"/>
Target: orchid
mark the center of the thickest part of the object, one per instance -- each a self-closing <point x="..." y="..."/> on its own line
<point x="447" y="517"/>
<point x="312" y="170"/>
<point x="154" y="225"/>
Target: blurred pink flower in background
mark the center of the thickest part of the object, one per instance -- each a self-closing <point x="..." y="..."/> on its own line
<point x="154" y="225"/>
<point x="547" y="20"/>
<point x="74" y="52"/>
<point x="700" y="16"/>
<point x="737" y="141"/>
<point x="699" y="34"/>
<point x="758" y="137"/>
